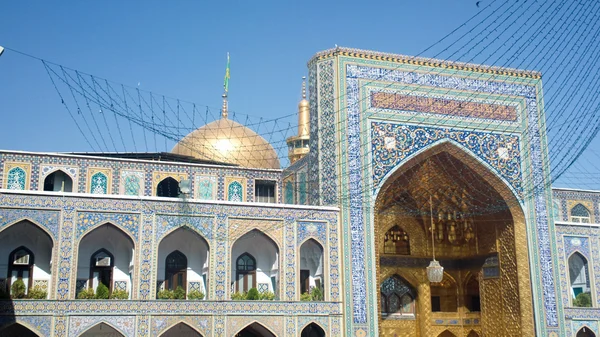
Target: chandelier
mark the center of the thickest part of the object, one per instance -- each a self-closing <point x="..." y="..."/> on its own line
<point x="451" y="226"/>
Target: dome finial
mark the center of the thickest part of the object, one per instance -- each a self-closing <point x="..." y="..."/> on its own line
<point x="224" y="112"/>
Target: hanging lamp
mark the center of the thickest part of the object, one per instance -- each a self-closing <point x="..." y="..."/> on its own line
<point x="435" y="272"/>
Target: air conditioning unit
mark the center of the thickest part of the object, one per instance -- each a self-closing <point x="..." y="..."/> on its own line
<point x="22" y="260"/>
<point x="103" y="261"/>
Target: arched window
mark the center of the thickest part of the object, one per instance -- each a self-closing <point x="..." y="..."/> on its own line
<point x="16" y="179"/>
<point x="472" y="299"/>
<point x="176" y="271"/>
<point x="580" y="280"/>
<point x="580" y="214"/>
<point x="397" y="297"/>
<point x="20" y="267"/>
<point x="585" y="332"/>
<point x="58" y="181"/>
<point x="396" y="242"/>
<point x="168" y="187"/>
<point x="101" y="269"/>
<point x="246" y="272"/>
<point x="99" y="183"/>
<point x="181" y="330"/>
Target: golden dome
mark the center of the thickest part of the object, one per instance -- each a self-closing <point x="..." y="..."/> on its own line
<point x="230" y="142"/>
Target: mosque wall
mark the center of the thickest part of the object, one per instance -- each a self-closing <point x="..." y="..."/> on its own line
<point x="372" y="112"/>
<point x="141" y="230"/>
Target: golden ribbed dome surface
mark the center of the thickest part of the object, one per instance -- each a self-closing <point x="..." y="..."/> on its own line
<point x="230" y="142"/>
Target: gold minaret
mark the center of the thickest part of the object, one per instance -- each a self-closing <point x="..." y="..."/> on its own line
<point x="298" y="145"/>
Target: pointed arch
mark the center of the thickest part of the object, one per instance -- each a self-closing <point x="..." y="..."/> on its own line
<point x="19" y="329"/>
<point x="473" y="333"/>
<point x="257" y="329"/>
<point x="446" y="333"/>
<point x="312" y="329"/>
<point x="26" y="249"/>
<point x="444" y="295"/>
<point x="579" y="280"/>
<point x="312" y="267"/>
<point x="397" y="297"/>
<point x="580" y="213"/>
<point x="168" y="187"/>
<point x="31" y="221"/>
<point x="585" y="331"/>
<point x="266" y="252"/>
<point x="396" y="241"/>
<point x="98" y="327"/>
<point x="58" y="181"/>
<point x="115" y="249"/>
<point x="465" y="155"/>
<point x="184" y="327"/>
<point x="196" y="250"/>
<point x="472" y="297"/>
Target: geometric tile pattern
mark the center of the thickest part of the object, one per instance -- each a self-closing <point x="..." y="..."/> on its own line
<point x="48" y="220"/>
<point x="317" y="230"/>
<point x="123" y="324"/>
<point x="39" y="324"/>
<point x="394" y="143"/>
<point x="120" y="285"/>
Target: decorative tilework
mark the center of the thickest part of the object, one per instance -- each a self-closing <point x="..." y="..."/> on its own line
<point x="16" y="179"/>
<point x="167" y="223"/>
<point x="69" y="170"/>
<point x="99" y="182"/>
<point x="302" y="186"/>
<point x="127" y="222"/>
<point x="429" y="103"/>
<point x="328" y="129"/>
<point x="275" y="324"/>
<point x="120" y="285"/>
<point x="42" y="325"/>
<point x="195" y="286"/>
<point x="573" y="243"/>
<point x="48" y="220"/>
<point x="263" y="287"/>
<point x="317" y="230"/>
<point x="304" y="321"/>
<point x="576" y="325"/>
<point x="42" y="284"/>
<point x="393" y="143"/>
<point x="132" y="183"/>
<point x="288" y="191"/>
<point x="291" y="270"/>
<point x="235" y="192"/>
<point x="157" y="177"/>
<point x="202" y="324"/>
<point x="80" y="324"/>
<point x="206" y="187"/>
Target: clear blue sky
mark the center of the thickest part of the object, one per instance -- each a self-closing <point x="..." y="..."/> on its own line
<point x="178" y="48"/>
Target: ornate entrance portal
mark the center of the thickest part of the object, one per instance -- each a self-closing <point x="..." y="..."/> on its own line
<point x="478" y="231"/>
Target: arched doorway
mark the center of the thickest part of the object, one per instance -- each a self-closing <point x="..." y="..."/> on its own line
<point x="255" y="263"/>
<point x="311" y="269"/>
<point x="26" y="255"/>
<point x="102" y="330"/>
<point x="106" y="257"/>
<point x="16" y="330"/>
<point x="478" y="229"/>
<point x="181" y="330"/>
<point x="255" y="330"/>
<point x="312" y="330"/>
<point x="183" y="261"/>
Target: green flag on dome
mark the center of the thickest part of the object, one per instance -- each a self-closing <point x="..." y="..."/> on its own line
<point x="226" y="83"/>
